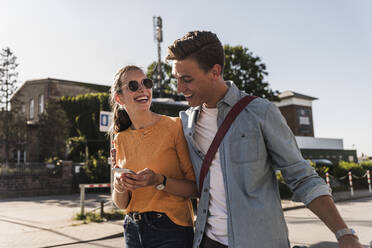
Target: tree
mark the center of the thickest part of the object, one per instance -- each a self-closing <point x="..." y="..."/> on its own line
<point x="53" y="131"/>
<point x="13" y="128"/>
<point x="83" y="115"/>
<point x="8" y="77"/>
<point x="8" y="85"/>
<point x="168" y="86"/>
<point x="247" y="72"/>
<point x="241" y="66"/>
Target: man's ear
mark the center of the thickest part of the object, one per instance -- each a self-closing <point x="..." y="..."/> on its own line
<point x="216" y="70"/>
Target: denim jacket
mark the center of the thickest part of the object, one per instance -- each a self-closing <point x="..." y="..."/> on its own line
<point x="257" y="143"/>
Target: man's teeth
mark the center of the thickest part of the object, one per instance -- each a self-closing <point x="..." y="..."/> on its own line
<point x="187" y="95"/>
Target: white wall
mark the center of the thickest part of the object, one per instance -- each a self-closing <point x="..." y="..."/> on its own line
<point x="319" y="143"/>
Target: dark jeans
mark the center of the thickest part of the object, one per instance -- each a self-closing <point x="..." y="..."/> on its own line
<point x="155" y="230"/>
<point x="210" y="243"/>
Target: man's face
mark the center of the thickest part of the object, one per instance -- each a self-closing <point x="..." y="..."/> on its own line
<point x="193" y="82"/>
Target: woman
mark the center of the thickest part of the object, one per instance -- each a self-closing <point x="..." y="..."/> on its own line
<point x="156" y="198"/>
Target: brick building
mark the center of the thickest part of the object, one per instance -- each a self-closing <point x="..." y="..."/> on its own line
<point x="297" y="110"/>
<point x="33" y="96"/>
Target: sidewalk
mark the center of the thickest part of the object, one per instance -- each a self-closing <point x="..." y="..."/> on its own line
<point x="337" y="197"/>
<point x="47" y="222"/>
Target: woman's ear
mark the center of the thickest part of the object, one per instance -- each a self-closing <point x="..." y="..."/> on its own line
<point x="118" y="100"/>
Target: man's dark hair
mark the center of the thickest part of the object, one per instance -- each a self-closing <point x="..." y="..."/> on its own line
<point x="202" y="46"/>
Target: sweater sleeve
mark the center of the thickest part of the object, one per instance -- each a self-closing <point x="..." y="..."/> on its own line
<point x="183" y="153"/>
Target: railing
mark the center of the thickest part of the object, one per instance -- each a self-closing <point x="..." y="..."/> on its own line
<point x="89" y="186"/>
<point x="30" y="169"/>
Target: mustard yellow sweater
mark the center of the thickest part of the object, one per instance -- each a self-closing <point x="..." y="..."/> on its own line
<point x="162" y="148"/>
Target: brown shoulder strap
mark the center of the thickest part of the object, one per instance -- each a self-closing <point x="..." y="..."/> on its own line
<point x="234" y="112"/>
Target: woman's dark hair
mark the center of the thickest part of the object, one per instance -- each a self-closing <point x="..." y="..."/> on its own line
<point x="121" y="118"/>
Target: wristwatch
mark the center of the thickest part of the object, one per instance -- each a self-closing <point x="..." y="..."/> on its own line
<point x="345" y="231"/>
<point x="162" y="185"/>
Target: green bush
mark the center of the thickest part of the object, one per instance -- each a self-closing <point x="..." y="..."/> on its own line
<point x="285" y="192"/>
<point x="97" y="169"/>
<point x="367" y="165"/>
<point x="341" y="173"/>
<point x="83" y="114"/>
<point x="320" y="169"/>
<point x="76" y="148"/>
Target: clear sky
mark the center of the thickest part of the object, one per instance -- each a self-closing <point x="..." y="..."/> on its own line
<point x="321" y="48"/>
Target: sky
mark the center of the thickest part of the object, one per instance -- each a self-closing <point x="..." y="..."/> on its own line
<point x="320" y="48"/>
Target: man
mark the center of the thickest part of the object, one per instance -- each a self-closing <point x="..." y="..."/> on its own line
<point x="240" y="203"/>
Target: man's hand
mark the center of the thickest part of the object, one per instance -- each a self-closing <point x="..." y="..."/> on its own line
<point x="349" y="241"/>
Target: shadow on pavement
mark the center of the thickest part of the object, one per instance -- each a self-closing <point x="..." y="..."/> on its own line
<point x="327" y="245"/>
<point x="39" y="228"/>
<point x="114" y="236"/>
<point x="73" y="201"/>
<point x="77" y="241"/>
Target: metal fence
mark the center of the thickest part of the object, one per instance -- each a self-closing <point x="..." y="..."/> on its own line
<point x="30" y="169"/>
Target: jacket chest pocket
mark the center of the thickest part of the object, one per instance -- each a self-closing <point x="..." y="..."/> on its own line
<point x="244" y="148"/>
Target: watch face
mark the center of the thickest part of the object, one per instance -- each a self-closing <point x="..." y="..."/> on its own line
<point x="160" y="187"/>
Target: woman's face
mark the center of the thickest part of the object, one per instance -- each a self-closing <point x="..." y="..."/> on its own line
<point x="139" y="100"/>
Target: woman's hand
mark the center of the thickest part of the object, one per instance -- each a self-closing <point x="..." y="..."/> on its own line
<point x="119" y="184"/>
<point x="144" y="178"/>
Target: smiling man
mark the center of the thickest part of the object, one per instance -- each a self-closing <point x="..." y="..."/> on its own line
<point x="240" y="203"/>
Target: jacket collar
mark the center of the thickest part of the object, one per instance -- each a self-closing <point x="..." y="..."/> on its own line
<point x="232" y="95"/>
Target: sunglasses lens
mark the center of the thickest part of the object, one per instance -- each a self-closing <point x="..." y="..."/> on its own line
<point x="148" y="83"/>
<point x="133" y="85"/>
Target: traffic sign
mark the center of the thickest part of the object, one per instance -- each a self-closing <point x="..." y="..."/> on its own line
<point x="105" y="121"/>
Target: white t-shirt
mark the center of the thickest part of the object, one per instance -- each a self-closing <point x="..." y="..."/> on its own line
<point x="205" y="130"/>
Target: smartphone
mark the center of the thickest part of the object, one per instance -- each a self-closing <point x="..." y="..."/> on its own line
<point x="123" y="170"/>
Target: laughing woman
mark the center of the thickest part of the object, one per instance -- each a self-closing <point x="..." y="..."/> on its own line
<point x="156" y="198"/>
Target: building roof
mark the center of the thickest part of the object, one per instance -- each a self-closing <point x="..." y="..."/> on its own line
<point x="98" y="87"/>
<point x="291" y="94"/>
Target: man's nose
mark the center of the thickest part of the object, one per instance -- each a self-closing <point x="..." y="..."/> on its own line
<point x="179" y="86"/>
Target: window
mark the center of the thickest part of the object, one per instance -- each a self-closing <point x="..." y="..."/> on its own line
<point x="304" y="120"/>
<point x="41" y="104"/>
<point x="32" y="109"/>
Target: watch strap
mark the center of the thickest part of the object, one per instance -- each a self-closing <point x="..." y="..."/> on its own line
<point x="345" y="231"/>
<point x="164" y="181"/>
<point x="163" y="184"/>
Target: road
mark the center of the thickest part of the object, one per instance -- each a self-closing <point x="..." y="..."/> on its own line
<point x="46" y="222"/>
<point x="306" y="229"/>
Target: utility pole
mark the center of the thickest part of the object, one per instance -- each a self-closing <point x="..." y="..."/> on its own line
<point x="158" y="37"/>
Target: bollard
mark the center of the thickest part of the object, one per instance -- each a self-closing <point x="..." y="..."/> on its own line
<point x="82" y="198"/>
<point x="351" y="184"/>
<point x="369" y="182"/>
<point x="327" y="179"/>
<point x="102" y="205"/>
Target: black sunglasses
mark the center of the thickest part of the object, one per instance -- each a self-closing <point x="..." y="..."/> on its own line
<point x="133" y="85"/>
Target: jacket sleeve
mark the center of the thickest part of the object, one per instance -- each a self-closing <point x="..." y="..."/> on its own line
<point x="183" y="153"/>
<point x="282" y="148"/>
